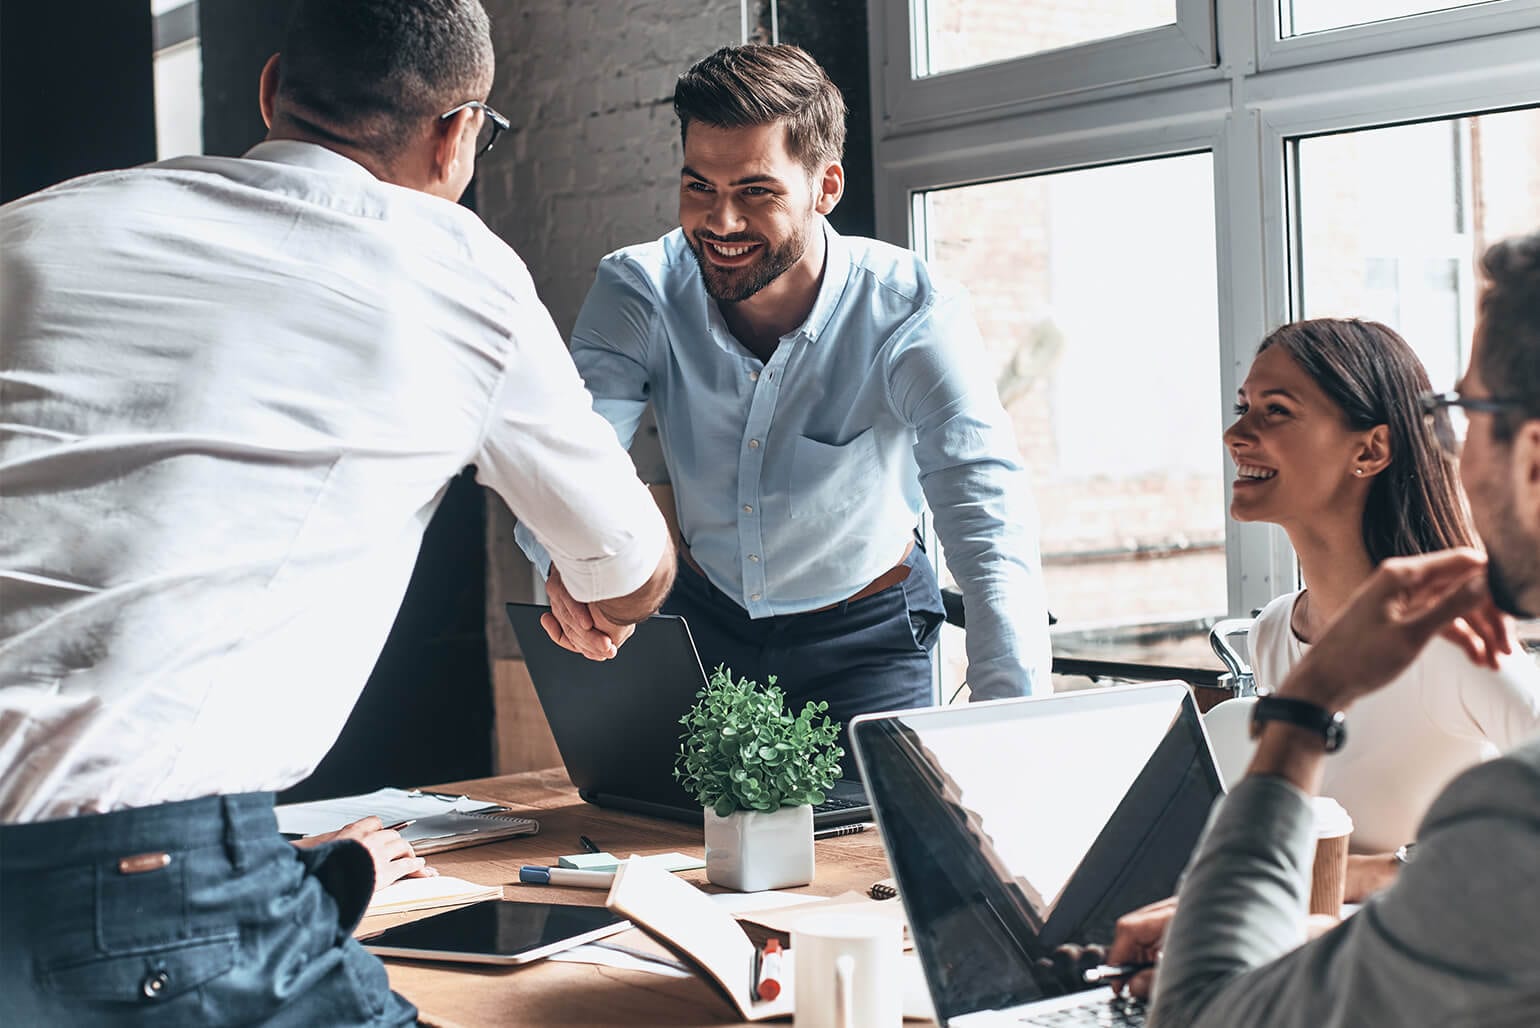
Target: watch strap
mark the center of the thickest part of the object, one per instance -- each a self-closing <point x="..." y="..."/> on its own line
<point x="1330" y="725"/>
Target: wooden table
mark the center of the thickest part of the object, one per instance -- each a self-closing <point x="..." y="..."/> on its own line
<point x="556" y="993"/>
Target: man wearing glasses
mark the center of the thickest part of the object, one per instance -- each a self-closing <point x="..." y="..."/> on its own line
<point x="1453" y="941"/>
<point x="232" y="394"/>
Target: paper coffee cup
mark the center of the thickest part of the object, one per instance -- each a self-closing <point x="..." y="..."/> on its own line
<point x="1328" y="875"/>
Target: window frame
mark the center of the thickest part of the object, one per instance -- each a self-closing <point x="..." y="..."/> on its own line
<point x="1432" y="28"/>
<point x="905" y="101"/>
<point x="1261" y="94"/>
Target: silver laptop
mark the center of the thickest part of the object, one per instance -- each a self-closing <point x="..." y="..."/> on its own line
<point x="1017" y="826"/>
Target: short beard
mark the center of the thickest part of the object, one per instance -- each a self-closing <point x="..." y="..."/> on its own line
<point x="1507" y="589"/>
<point x="739" y="284"/>
<point x="1514" y="579"/>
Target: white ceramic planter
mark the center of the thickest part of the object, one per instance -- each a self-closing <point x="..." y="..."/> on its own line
<point x="755" y="850"/>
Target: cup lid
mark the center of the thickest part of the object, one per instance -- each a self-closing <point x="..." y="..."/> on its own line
<point x="1331" y="819"/>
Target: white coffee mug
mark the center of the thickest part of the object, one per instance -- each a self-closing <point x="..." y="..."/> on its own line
<point x="848" y="972"/>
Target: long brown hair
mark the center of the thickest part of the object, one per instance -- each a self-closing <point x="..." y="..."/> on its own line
<point x="1372" y="375"/>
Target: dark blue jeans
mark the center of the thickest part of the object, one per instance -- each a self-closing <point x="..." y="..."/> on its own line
<point x="869" y="655"/>
<point x="232" y="926"/>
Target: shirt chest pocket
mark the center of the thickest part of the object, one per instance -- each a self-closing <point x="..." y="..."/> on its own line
<point x="829" y="477"/>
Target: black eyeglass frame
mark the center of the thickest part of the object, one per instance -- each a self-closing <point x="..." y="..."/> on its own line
<point x="500" y="124"/>
<point x="1432" y="403"/>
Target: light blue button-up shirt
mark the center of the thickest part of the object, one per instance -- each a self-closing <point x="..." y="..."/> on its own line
<point x="798" y="480"/>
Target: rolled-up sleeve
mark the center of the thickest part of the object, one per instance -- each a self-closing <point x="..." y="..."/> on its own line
<point x="562" y="471"/>
<point x="980" y="495"/>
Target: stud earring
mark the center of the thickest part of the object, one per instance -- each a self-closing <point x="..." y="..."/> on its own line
<point x="1358" y="471"/>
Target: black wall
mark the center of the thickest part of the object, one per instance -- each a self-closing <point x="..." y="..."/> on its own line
<point x="77" y="91"/>
<point x="834" y="32"/>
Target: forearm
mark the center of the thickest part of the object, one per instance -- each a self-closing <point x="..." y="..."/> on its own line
<point x="1243" y="901"/>
<point x="644" y="602"/>
<point x="991" y="547"/>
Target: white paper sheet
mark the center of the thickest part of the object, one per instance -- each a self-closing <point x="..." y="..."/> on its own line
<point x="389" y="805"/>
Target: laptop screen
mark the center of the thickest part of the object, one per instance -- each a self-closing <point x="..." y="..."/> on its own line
<point x="1014" y="827"/>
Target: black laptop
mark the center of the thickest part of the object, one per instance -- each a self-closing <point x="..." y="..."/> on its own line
<point x="1017" y="826"/>
<point x="616" y="722"/>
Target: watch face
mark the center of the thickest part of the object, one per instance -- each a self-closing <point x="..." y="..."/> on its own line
<point x="1336" y="732"/>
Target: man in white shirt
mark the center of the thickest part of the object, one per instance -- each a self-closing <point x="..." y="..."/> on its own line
<point x="232" y="393"/>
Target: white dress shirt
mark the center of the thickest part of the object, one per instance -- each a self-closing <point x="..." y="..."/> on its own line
<point x="1407" y="741"/>
<point x="232" y="394"/>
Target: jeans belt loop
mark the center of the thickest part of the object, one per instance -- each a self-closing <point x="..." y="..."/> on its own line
<point x="232" y="844"/>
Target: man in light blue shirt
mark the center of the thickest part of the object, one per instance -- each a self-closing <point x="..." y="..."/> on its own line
<point x="812" y="393"/>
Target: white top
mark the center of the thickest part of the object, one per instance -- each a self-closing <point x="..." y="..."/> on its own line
<point x="1405" y="742"/>
<point x="232" y="394"/>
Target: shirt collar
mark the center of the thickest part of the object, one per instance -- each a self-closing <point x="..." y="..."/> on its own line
<point x="836" y="273"/>
<point x="307" y="155"/>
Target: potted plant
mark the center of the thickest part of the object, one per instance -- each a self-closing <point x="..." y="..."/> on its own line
<point x="757" y="770"/>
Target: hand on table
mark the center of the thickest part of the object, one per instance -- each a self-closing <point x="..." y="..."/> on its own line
<point x="580" y="627"/>
<point x="393" y="856"/>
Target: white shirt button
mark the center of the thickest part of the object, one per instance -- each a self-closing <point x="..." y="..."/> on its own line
<point x="753" y="558"/>
<point x="753" y="596"/>
<point x="747" y="509"/>
<point x="753" y="376"/>
<point x="753" y="444"/>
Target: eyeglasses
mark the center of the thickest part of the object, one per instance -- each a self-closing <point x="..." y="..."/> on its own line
<point x="492" y="126"/>
<point x="1444" y="414"/>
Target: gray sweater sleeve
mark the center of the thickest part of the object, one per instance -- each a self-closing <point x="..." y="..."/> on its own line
<point x="1453" y="942"/>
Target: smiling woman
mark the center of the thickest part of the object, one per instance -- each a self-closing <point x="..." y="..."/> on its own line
<point x="1330" y="444"/>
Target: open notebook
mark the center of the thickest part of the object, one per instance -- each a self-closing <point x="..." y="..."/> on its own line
<point x="440" y="822"/>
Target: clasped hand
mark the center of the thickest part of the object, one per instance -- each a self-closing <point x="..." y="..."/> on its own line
<point x="580" y="627"/>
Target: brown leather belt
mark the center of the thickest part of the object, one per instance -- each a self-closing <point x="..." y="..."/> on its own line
<point x="891" y="577"/>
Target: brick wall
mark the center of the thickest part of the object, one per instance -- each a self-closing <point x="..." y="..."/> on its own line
<point x="592" y="160"/>
<point x="591" y="164"/>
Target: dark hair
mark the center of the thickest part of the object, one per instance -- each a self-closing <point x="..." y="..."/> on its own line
<point x="1373" y="376"/>
<point x="368" y="72"/>
<point x="760" y="83"/>
<point x="1509" y="354"/>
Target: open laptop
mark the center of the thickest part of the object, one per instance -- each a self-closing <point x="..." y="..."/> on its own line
<point x="1016" y="826"/>
<point x="616" y="722"/>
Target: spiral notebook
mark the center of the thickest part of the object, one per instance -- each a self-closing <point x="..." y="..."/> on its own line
<point x="440" y="821"/>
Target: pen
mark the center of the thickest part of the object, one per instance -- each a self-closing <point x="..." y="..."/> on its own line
<point x="535" y="874"/>
<point x="399" y="825"/>
<point x="769" y="985"/>
<point x="829" y="833"/>
<point x="589" y="846"/>
<point x="1105" y="972"/>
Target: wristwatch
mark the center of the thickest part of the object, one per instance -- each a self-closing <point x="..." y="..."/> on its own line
<point x="1332" y="725"/>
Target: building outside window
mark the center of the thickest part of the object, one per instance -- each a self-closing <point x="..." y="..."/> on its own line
<point x="1136" y="193"/>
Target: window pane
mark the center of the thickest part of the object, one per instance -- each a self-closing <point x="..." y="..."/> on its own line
<point x="179" y="100"/>
<point x="955" y="34"/>
<point x="1297" y="17"/>
<point x="1098" y="312"/>
<point x="1392" y="223"/>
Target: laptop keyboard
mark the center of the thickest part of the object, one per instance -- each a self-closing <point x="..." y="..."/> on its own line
<point x="1100" y="1011"/>
<point x="835" y="803"/>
